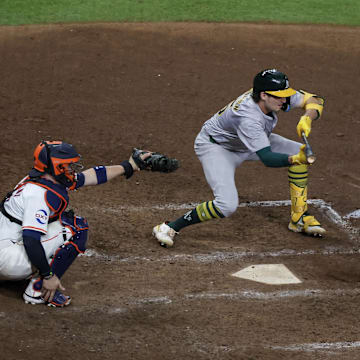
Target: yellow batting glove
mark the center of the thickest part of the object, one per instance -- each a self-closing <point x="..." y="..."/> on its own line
<point x="304" y="125"/>
<point x="300" y="157"/>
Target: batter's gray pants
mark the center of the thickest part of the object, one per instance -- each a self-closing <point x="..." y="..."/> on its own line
<point x="219" y="167"/>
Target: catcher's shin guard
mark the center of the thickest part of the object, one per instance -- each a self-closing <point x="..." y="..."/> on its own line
<point x="300" y="220"/>
<point x="67" y="253"/>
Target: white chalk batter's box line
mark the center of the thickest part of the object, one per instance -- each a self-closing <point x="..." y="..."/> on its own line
<point x="323" y="347"/>
<point x="247" y="295"/>
<point x="222" y="256"/>
<point x="334" y="347"/>
<point x="342" y="222"/>
<point x="242" y="295"/>
<point x="326" y="208"/>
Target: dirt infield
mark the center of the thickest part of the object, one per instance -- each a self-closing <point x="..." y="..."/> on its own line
<point x="109" y="87"/>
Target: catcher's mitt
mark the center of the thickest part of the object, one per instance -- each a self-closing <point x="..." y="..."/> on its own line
<point x="155" y="162"/>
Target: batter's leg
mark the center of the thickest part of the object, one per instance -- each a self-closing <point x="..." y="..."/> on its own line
<point x="219" y="167"/>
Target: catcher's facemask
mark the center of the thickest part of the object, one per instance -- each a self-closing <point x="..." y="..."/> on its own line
<point x="58" y="159"/>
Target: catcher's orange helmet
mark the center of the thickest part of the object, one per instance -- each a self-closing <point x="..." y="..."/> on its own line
<point x="59" y="159"/>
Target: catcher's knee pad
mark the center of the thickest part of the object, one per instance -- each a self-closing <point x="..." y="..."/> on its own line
<point x="79" y="240"/>
<point x="67" y="253"/>
<point x="75" y="223"/>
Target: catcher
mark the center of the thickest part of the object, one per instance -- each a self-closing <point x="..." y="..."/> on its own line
<point x="39" y="237"/>
<point x="241" y="131"/>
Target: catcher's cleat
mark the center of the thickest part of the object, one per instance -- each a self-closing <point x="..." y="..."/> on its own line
<point x="32" y="295"/>
<point x="164" y="234"/>
<point x="59" y="300"/>
<point x="308" y="225"/>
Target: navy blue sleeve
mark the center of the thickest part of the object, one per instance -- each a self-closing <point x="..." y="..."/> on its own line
<point x="35" y="251"/>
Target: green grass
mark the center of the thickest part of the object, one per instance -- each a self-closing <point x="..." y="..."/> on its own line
<point x="17" y="12"/>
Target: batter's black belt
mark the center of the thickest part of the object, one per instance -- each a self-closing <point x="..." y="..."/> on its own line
<point x="212" y="140"/>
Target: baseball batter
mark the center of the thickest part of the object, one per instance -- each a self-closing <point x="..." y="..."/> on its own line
<point x="241" y="131"/>
<point x="39" y="238"/>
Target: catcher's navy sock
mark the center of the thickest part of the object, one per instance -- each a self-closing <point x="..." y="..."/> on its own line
<point x="203" y="212"/>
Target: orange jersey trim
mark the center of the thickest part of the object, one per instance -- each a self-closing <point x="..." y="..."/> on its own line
<point x="34" y="228"/>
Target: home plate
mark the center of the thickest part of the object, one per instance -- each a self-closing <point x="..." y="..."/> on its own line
<point x="274" y="274"/>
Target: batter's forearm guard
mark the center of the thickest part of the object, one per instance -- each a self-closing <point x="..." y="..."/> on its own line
<point x="318" y="106"/>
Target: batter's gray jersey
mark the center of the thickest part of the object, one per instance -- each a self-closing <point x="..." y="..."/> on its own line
<point x="242" y="126"/>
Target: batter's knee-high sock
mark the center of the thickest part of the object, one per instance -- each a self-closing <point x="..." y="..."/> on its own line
<point x="203" y="212"/>
<point x="298" y="180"/>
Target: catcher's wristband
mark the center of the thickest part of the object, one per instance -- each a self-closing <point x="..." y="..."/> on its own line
<point x="128" y="168"/>
<point x="47" y="276"/>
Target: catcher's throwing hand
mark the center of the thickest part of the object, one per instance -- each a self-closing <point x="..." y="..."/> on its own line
<point x="304" y="125"/>
<point x="49" y="288"/>
<point x="154" y="161"/>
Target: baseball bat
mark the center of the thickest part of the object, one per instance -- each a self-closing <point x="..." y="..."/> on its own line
<point x="308" y="150"/>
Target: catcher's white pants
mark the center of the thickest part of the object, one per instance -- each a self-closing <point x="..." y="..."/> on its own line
<point x="14" y="262"/>
<point x="219" y="167"/>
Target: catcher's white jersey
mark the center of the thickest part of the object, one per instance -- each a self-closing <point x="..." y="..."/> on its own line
<point x="27" y="204"/>
<point x="242" y="126"/>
